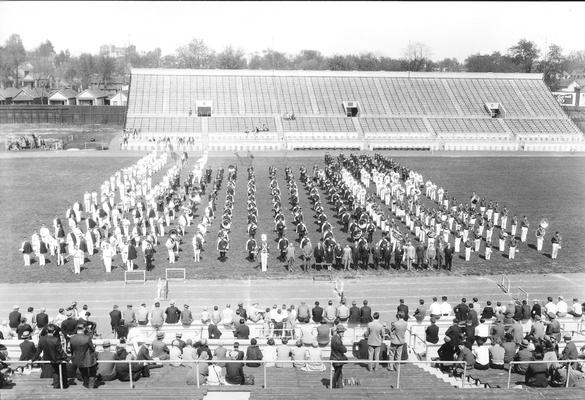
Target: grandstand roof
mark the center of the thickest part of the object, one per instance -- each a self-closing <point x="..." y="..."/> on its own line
<point x="303" y="73"/>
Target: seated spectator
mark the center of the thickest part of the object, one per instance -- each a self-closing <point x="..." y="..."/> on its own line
<point x="215" y="377"/>
<point x="559" y="378"/>
<point x="432" y="332"/>
<point x="24" y="326"/>
<point x="160" y="351"/>
<point x="189" y="352"/>
<point x="123" y="369"/>
<point x="106" y="371"/>
<point x="466" y="355"/>
<point x="488" y="311"/>
<point x="536" y="374"/>
<point x="509" y="348"/>
<point x="203" y="370"/>
<point x="175" y="354"/>
<point x="313" y="358"/>
<point x="360" y="349"/>
<point x="213" y="332"/>
<point x="446" y="353"/>
<point x="576" y="309"/>
<point x="27" y="348"/>
<point x="6" y="333"/>
<point x="234" y="372"/>
<point x="242" y="330"/>
<point x="298" y="354"/>
<point x="205" y="317"/>
<point x="283" y="353"/>
<point x="524" y="354"/>
<point x="550" y="355"/>
<point x="203" y="347"/>
<point x="307" y="334"/>
<point x="323" y="333"/>
<point x="253" y="352"/>
<point x="269" y="353"/>
<point x="496" y="354"/>
<point x="482" y="331"/>
<point x="482" y="357"/>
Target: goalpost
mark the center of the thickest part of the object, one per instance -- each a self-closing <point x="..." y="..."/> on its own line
<point x="505" y="283"/>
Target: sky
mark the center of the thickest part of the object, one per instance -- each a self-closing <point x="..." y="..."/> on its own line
<point x="449" y="29"/>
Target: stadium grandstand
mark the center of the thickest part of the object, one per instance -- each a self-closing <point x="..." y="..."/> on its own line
<point x="226" y="110"/>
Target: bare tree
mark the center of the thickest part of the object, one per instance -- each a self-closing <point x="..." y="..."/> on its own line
<point x="417" y="55"/>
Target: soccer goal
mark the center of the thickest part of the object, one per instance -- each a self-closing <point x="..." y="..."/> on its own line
<point x="135" y="277"/>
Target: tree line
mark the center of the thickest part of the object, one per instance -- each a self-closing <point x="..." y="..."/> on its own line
<point x="81" y="71"/>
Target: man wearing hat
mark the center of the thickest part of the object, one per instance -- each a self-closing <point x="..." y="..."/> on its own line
<point x="129" y="316"/>
<point x="106" y="371"/>
<point x="50" y="347"/>
<point x="338" y="351"/>
<point x="538" y="329"/>
<point x="181" y="343"/>
<point x="83" y="356"/>
<point x="160" y="350"/>
<point x="14" y="318"/>
<point x="142" y="315"/>
<point x="523" y="355"/>
<point x="562" y="307"/>
<point x="27" y="348"/>
<point x="173" y="314"/>
<point x="570" y="351"/>
<point x="553" y="328"/>
<point x="157" y="316"/>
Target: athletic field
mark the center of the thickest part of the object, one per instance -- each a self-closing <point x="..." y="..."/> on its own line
<point x="35" y="188"/>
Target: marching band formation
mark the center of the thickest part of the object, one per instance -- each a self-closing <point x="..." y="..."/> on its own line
<point x="420" y="224"/>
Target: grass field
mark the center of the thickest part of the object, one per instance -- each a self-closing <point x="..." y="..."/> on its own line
<point x="36" y="190"/>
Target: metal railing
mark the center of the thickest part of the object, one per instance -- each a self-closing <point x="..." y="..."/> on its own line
<point x="568" y="362"/>
<point x="263" y="362"/>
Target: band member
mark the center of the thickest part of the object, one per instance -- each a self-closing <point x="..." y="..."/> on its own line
<point x="556" y="245"/>
<point x="468" y="246"/>
<point x="458" y="236"/>
<point x="26" y="250"/>
<point x="502" y="240"/>
<point x="170" y="245"/>
<point x="251" y="246"/>
<point x="264" y="249"/>
<point x="540" y="232"/>
<point x="512" y="250"/>
<point x="524" y="229"/>
<point x="223" y="246"/>
<point x="282" y="246"/>
<point x="514" y="226"/>
<point x="488" y="252"/>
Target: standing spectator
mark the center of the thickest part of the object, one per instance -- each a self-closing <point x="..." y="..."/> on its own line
<point x="14" y="318"/>
<point x="375" y="335"/>
<point x="403" y="308"/>
<point x="42" y="318"/>
<point x="420" y="312"/>
<point x="338" y="351"/>
<point x="50" y="347"/>
<point x="115" y="318"/>
<point x="129" y="316"/>
<point x="397" y="340"/>
<point x="173" y="314"/>
<point x="83" y="356"/>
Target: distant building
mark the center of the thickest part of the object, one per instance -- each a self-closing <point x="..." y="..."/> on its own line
<point x="92" y="97"/>
<point x="35" y="80"/>
<point x="110" y="50"/>
<point x="27" y="96"/>
<point x="119" y="99"/>
<point x="63" y="97"/>
<point x="571" y="92"/>
<point x="8" y="94"/>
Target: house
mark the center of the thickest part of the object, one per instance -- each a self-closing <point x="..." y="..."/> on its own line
<point x="119" y="99"/>
<point x="29" y="95"/>
<point x="92" y="97"/>
<point x="63" y="97"/>
<point x="8" y="94"/>
<point x="35" y="80"/>
<point x="571" y="93"/>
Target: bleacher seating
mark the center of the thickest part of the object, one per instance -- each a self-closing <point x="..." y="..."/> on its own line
<point x="447" y="109"/>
